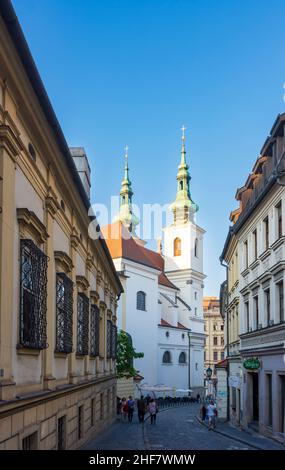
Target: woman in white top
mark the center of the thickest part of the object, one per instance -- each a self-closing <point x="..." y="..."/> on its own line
<point x="212" y="412"/>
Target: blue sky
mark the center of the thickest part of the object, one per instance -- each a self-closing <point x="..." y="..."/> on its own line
<point x="132" y="72"/>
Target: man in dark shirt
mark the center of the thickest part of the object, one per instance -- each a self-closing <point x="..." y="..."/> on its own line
<point x="131" y="407"/>
<point x="141" y="405"/>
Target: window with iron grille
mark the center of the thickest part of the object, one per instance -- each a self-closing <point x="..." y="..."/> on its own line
<point x="80" y="429"/>
<point x="94" y="331"/>
<point x="82" y="324"/>
<point x="61" y="433"/>
<point x="33" y="296"/>
<point x="30" y="442"/>
<point x="109" y="339"/>
<point x="114" y="342"/>
<point x="64" y="311"/>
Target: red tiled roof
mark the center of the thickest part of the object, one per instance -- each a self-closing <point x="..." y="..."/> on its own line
<point x="165" y="323"/>
<point x="122" y="245"/>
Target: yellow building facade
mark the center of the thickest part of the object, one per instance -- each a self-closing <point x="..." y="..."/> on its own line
<point x="214" y="329"/>
<point x="58" y="287"/>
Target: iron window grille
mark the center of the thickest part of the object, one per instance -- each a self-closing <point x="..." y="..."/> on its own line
<point x="94" y="331"/>
<point x="64" y="313"/>
<point x="109" y="339"/>
<point x="33" y="296"/>
<point x="82" y="324"/>
<point x="114" y="342"/>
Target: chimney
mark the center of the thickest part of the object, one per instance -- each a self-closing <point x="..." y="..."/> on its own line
<point x="81" y="162"/>
<point x="159" y="246"/>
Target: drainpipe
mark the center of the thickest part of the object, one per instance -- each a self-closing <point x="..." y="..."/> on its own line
<point x="227" y="345"/>
<point x="189" y="367"/>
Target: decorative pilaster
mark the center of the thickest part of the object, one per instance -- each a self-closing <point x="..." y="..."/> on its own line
<point x="51" y="208"/>
<point x="74" y="242"/>
<point x="10" y="148"/>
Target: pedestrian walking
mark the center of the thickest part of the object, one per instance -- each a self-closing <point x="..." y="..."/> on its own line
<point x="124" y="409"/>
<point x="211" y="410"/>
<point x="131" y="408"/>
<point x="203" y="412"/>
<point x="141" y="406"/>
<point x="153" y="409"/>
<point x="148" y="398"/>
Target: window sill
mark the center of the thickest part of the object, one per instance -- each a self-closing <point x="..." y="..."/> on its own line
<point x="166" y="364"/>
<point x="80" y="356"/>
<point x="59" y="354"/>
<point x="28" y="352"/>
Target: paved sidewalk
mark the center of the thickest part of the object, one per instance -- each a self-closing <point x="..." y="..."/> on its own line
<point x="120" y="436"/>
<point x="250" y="438"/>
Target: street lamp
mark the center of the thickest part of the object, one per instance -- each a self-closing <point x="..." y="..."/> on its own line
<point x="209" y="373"/>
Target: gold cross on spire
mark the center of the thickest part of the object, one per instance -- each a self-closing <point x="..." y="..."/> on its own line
<point x="183" y="128"/>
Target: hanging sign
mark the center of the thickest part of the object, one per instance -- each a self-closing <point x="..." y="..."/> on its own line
<point x="252" y="363"/>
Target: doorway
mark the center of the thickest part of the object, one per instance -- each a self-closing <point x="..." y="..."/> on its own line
<point x="255" y="397"/>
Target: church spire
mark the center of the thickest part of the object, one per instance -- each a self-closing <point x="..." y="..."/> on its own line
<point x="126" y="215"/>
<point x="183" y="206"/>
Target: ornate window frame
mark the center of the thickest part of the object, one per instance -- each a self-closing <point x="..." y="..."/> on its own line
<point x="33" y="297"/>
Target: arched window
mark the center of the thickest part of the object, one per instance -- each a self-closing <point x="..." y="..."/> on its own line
<point x="181" y="185"/>
<point x="182" y="358"/>
<point x="141" y="296"/>
<point x="196" y="248"/>
<point x="166" y="357"/>
<point x="123" y="199"/>
<point x="177" y="247"/>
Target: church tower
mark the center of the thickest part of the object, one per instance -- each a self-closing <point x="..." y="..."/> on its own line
<point x="183" y="207"/>
<point x="126" y="215"/>
<point x="183" y="248"/>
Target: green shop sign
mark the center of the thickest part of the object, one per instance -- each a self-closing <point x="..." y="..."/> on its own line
<point x="251" y="364"/>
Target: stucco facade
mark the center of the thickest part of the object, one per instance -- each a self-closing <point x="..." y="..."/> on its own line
<point x="254" y="303"/>
<point x="57" y="387"/>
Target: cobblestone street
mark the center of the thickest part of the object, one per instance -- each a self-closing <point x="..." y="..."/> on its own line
<point x="177" y="428"/>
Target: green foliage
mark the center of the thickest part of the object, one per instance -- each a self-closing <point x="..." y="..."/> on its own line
<point x="125" y="356"/>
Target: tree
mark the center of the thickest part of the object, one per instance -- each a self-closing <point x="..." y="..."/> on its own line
<point x="125" y="355"/>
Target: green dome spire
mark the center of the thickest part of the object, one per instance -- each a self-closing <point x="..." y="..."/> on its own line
<point x="183" y="206"/>
<point x="126" y="215"/>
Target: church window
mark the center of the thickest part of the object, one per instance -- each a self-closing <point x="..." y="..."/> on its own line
<point x="177" y="247"/>
<point x="123" y="200"/>
<point x="196" y="248"/>
<point x="167" y="334"/>
<point x="141" y="296"/>
<point x="181" y="185"/>
<point x="182" y="358"/>
<point x="166" y="357"/>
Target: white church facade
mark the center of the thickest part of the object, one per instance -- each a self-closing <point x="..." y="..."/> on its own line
<point x="162" y="304"/>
